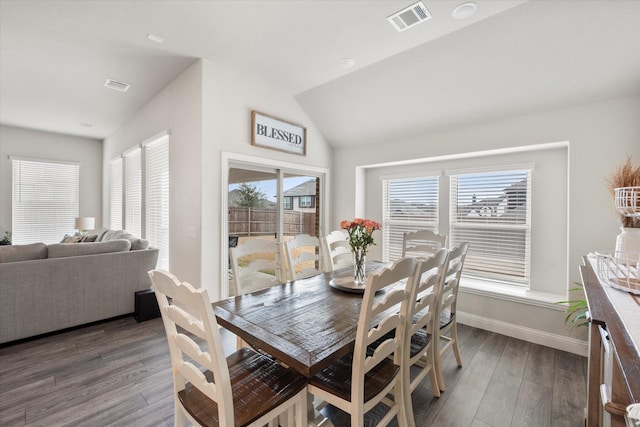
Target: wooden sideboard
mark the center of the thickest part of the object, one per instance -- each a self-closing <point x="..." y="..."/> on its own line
<point x="614" y="359"/>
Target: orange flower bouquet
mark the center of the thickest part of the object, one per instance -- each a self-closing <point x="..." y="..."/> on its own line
<point x="360" y="238"/>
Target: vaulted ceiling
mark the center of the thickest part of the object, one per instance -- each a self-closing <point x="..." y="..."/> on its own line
<point x="509" y="58"/>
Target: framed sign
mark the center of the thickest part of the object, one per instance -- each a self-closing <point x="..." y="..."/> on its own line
<point x="270" y="132"/>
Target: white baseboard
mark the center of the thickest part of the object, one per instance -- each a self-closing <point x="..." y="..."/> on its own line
<point x="559" y="342"/>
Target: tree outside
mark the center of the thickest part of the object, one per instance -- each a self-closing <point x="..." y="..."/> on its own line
<point x="249" y="196"/>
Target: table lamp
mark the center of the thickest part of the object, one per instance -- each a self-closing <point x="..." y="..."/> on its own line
<point x="84" y="223"/>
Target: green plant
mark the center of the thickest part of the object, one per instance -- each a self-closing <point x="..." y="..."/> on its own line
<point x="6" y="240"/>
<point x="577" y="309"/>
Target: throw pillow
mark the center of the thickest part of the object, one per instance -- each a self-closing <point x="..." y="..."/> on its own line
<point x="71" y="239"/>
<point x="89" y="238"/>
<point x="136" y="244"/>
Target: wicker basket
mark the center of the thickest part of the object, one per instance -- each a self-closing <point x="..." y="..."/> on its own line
<point x="620" y="270"/>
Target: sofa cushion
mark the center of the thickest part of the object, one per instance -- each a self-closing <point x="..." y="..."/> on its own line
<point x="61" y="250"/>
<point x="9" y="253"/>
<point x="136" y="243"/>
<point x="76" y="238"/>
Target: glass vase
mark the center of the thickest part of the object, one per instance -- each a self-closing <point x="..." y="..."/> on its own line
<point x="358" y="266"/>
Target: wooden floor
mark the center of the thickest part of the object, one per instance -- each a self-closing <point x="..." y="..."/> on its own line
<point x="118" y="373"/>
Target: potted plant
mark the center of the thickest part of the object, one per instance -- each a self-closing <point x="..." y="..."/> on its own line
<point x="6" y="240"/>
<point x="624" y="185"/>
<point x="577" y="309"/>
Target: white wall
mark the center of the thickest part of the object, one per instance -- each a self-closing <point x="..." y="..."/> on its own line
<point x="34" y="144"/>
<point x="600" y="136"/>
<point x="229" y="97"/>
<point x="178" y="109"/>
<point x="207" y="110"/>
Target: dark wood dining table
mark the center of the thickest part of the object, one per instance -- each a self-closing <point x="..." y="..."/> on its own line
<point x="306" y="324"/>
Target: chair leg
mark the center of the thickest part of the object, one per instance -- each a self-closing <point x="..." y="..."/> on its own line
<point x="403" y="399"/>
<point x="432" y="373"/>
<point x="301" y="409"/>
<point x="406" y="390"/>
<point x="454" y="341"/>
<point x="179" y="418"/>
<point x="437" y="364"/>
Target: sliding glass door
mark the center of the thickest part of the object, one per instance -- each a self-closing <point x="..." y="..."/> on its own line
<point x="275" y="204"/>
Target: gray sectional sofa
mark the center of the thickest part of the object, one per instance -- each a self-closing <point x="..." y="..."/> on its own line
<point x="45" y="288"/>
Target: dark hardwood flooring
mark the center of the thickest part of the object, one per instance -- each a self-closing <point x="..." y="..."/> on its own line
<point x="118" y="373"/>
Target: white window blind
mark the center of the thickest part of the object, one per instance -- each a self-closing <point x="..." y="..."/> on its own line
<point x="116" y="194"/>
<point x="45" y="198"/>
<point x="492" y="211"/>
<point x="133" y="191"/>
<point x="157" y="198"/>
<point x="409" y="204"/>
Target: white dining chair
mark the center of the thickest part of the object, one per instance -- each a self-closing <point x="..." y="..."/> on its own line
<point x="362" y="379"/>
<point x="256" y="264"/>
<point x="447" y="302"/>
<point x="243" y="389"/>
<point x="303" y="256"/>
<point x="421" y="321"/>
<point x="422" y="243"/>
<point x="337" y="252"/>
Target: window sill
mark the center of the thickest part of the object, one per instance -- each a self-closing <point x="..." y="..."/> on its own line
<point x="512" y="293"/>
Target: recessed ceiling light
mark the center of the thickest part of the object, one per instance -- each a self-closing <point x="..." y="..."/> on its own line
<point x="155" y="38"/>
<point x="346" y="62"/>
<point x="463" y="11"/>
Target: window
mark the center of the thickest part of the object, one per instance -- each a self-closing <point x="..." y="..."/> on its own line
<point x="157" y="198"/>
<point x="140" y="194"/>
<point x="409" y="204"/>
<point x="306" y="202"/>
<point x="489" y="209"/>
<point x="45" y="198"/>
<point x="492" y="212"/>
<point x="287" y="203"/>
<point x="133" y="191"/>
<point x="116" y="194"/>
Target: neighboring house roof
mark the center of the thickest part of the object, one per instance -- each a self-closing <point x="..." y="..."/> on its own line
<point x="307" y="188"/>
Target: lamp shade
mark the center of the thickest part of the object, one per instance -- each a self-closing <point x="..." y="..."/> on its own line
<point x="85" y="223"/>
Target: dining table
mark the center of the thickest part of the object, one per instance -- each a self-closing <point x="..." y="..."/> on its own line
<point x="305" y="324"/>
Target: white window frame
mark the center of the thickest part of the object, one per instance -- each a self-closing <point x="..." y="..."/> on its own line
<point x="513" y="267"/>
<point x="392" y="248"/>
<point x="41" y="210"/>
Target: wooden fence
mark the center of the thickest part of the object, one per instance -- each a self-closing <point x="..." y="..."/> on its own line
<point x="261" y="222"/>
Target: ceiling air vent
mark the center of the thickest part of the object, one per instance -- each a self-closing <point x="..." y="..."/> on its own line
<point x="116" y="85"/>
<point x="409" y="16"/>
